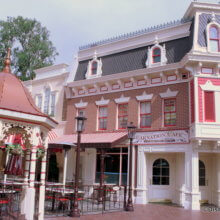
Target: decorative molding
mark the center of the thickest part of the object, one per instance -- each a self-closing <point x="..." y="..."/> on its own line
<point x="212" y="23"/>
<point x="122" y="99"/>
<point x="115" y="86"/>
<point x="128" y="84"/>
<point x="171" y="78"/>
<point x="163" y="58"/>
<point x="141" y="82"/>
<point x="156" y="80"/>
<point x="144" y="97"/>
<point x="102" y="101"/>
<point x="89" y="74"/>
<point x="168" y="94"/>
<point x="208" y="86"/>
<point x="81" y="104"/>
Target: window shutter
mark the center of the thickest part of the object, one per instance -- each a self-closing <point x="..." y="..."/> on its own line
<point x="209" y="106"/>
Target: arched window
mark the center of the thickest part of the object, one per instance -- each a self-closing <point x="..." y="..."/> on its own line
<point x="156" y="56"/>
<point x="94" y="67"/>
<point x="46" y="100"/>
<point x="161" y="172"/>
<point x="201" y="173"/>
<point x="214" y="39"/>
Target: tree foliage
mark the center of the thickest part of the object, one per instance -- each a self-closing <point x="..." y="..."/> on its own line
<point x="29" y="43"/>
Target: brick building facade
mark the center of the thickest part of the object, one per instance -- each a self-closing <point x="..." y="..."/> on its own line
<point x="165" y="80"/>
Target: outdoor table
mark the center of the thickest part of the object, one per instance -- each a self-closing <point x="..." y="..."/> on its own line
<point x="63" y="191"/>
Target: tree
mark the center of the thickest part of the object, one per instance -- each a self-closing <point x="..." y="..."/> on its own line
<point x="29" y="43"/>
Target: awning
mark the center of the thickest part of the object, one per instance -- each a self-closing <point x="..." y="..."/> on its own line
<point x="92" y="140"/>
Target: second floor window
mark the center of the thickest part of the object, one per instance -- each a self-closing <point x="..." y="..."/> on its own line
<point x="145" y="114"/>
<point x="46" y="100"/>
<point x="169" y="112"/>
<point x="52" y="104"/>
<point x="214" y="39"/>
<point x="156" y="56"/>
<point x="122" y="116"/>
<point x="39" y="101"/>
<point x="103" y="118"/>
<point x="209" y="106"/>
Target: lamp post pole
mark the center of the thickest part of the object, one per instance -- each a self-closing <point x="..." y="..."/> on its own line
<point x="75" y="212"/>
<point x="131" y="132"/>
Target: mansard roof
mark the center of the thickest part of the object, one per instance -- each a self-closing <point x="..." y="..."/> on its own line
<point x="135" y="59"/>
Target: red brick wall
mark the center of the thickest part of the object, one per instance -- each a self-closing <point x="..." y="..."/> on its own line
<point x="182" y="101"/>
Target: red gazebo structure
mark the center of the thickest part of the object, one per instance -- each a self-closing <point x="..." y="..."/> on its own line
<point x="20" y="117"/>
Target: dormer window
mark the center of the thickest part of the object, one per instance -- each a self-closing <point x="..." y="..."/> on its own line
<point x="156" y="55"/>
<point x="212" y="35"/>
<point x="214" y="39"/>
<point x="94" y="68"/>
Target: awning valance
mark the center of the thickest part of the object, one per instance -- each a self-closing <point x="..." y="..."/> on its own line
<point x="92" y="140"/>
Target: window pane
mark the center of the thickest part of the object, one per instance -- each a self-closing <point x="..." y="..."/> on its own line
<point x="122" y="122"/>
<point x="52" y="107"/>
<point x="103" y="112"/>
<point x="145" y="107"/>
<point x="94" y="68"/>
<point x="122" y="109"/>
<point x="165" y="180"/>
<point x="214" y="45"/>
<point x="202" y="181"/>
<point x="156" y="180"/>
<point x="156" y="59"/>
<point x="145" y="121"/>
<point x="81" y="112"/>
<point x="156" y="51"/>
<point x="156" y="171"/>
<point x="39" y="101"/>
<point x="165" y="171"/>
<point x="47" y="101"/>
<point x="213" y="33"/>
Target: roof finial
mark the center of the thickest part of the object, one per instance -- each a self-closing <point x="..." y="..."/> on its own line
<point x="213" y="17"/>
<point x="7" y="62"/>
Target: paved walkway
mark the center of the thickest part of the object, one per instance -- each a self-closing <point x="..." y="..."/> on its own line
<point x="153" y="212"/>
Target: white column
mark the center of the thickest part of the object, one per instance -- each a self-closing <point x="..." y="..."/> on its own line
<point x="64" y="166"/>
<point x="192" y="194"/>
<point x="26" y="176"/>
<point x="142" y="183"/>
<point x="30" y="195"/>
<point x="218" y="179"/>
<point x="42" y="183"/>
<point x="6" y="162"/>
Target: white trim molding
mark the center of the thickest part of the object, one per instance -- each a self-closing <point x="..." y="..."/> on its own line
<point x="122" y="99"/>
<point x="89" y="74"/>
<point x="168" y="94"/>
<point x="208" y="86"/>
<point x="144" y="97"/>
<point x="163" y="58"/>
<point x="81" y="104"/>
<point x="102" y="102"/>
<point x="212" y="23"/>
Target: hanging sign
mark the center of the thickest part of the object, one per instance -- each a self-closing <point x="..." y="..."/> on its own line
<point x="162" y="137"/>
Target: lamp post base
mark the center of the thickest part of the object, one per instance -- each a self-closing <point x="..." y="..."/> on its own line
<point x="75" y="213"/>
<point x="129" y="208"/>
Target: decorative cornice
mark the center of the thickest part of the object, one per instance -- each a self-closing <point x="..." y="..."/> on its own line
<point x="102" y="102"/>
<point x="135" y="33"/>
<point x="122" y="99"/>
<point x="208" y="86"/>
<point x="168" y="94"/>
<point x="144" y="97"/>
<point x="81" y="104"/>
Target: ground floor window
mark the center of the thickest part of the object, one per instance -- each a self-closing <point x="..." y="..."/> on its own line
<point x="161" y="172"/>
<point x="115" y="166"/>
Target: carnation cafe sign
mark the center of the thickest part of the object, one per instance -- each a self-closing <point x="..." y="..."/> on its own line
<point x="162" y="137"/>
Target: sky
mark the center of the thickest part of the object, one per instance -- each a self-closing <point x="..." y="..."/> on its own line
<point x="73" y="23"/>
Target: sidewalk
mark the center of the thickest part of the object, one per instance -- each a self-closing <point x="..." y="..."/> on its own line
<point x="152" y="212"/>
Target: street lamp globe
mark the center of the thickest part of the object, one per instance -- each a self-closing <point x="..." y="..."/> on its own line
<point x="80" y="122"/>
